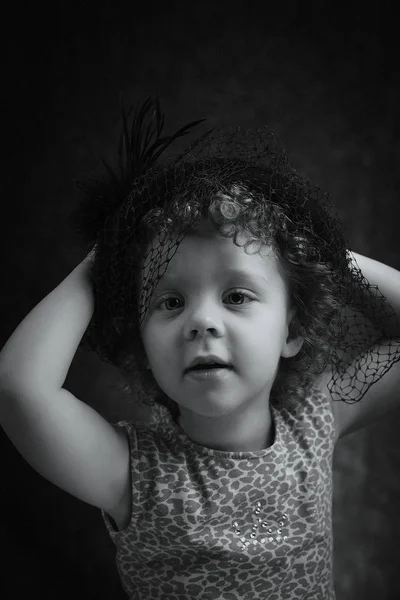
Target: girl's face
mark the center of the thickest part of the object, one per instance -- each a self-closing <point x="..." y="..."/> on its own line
<point x="217" y="300"/>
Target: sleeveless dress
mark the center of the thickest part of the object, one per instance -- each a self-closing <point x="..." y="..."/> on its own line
<point x="215" y="525"/>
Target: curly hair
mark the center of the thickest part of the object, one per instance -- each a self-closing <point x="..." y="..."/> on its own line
<point x="270" y="208"/>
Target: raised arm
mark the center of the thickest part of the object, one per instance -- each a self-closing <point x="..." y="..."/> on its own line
<point x="40" y="351"/>
<point x="62" y="438"/>
<point x="383" y="396"/>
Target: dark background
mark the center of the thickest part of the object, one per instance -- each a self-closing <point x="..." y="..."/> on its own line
<point x="326" y="78"/>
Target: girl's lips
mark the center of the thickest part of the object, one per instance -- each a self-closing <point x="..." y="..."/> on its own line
<point x="212" y="374"/>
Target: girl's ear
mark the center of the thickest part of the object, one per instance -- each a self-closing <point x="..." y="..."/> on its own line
<point x="294" y="341"/>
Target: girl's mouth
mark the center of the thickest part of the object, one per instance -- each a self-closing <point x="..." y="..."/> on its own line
<point x="209" y="372"/>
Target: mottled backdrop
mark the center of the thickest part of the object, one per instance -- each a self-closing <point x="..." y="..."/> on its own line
<point x="328" y="82"/>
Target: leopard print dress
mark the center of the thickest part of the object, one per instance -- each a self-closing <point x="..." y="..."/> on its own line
<point x="214" y="525"/>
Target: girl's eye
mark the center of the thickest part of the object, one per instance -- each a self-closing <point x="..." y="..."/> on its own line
<point x="170" y="303"/>
<point x="238" y="298"/>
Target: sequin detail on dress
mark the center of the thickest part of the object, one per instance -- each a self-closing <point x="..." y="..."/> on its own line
<point x="263" y="530"/>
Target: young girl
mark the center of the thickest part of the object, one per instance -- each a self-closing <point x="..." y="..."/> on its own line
<point x="220" y="284"/>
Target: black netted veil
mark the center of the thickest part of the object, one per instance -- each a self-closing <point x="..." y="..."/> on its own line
<point x="241" y="180"/>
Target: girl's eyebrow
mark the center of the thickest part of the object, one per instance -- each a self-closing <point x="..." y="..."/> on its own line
<point x="241" y="274"/>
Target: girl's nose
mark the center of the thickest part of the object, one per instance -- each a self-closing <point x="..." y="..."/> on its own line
<point x="203" y="321"/>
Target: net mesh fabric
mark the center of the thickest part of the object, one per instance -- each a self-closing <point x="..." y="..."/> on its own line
<point x="242" y="181"/>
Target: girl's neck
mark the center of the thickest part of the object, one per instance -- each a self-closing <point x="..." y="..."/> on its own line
<point x="249" y="431"/>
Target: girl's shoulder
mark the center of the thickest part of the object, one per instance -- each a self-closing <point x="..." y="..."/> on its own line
<point x="317" y="401"/>
<point x="343" y="412"/>
<point x="308" y="405"/>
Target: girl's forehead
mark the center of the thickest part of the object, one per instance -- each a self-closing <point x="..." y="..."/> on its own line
<point x="205" y="250"/>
